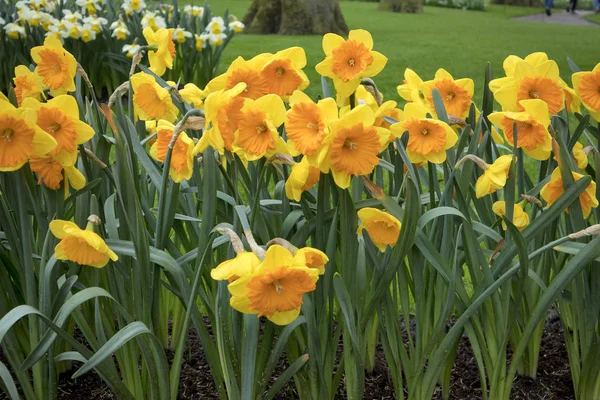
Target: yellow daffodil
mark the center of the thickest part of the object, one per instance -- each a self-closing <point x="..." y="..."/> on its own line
<point x="410" y="90"/>
<point x="51" y="173"/>
<point x="572" y="100"/>
<point x="243" y="264"/>
<point x="242" y="71"/>
<point x="83" y="247"/>
<point x="56" y="67"/>
<point x="283" y="72"/>
<point x="223" y="112"/>
<point x="162" y="58"/>
<point x="388" y="109"/>
<point x="531" y="83"/>
<point x="555" y="188"/>
<point x="312" y="258"/>
<point x="493" y="177"/>
<point x="182" y="156"/>
<point x="353" y="146"/>
<point x="20" y="137"/>
<point x="275" y="288"/>
<point x="520" y="218"/>
<point x="26" y="84"/>
<point x="59" y="117"/>
<point x="428" y="139"/>
<point x="456" y="94"/>
<point x="580" y="156"/>
<point x="257" y="130"/>
<point x="302" y="178"/>
<point x="193" y="95"/>
<point x="532" y="128"/>
<point x="382" y="227"/>
<point x="347" y="61"/>
<point x="509" y="65"/>
<point x="587" y="86"/>
<point x="150" y="100"/>
<point x="306" y="124"/>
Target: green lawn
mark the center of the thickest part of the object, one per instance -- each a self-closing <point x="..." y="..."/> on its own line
<point x="459" y="41"/>
<point x="593" y="18"/>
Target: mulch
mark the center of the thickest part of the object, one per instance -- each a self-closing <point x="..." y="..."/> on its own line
<point x="553" y="380"/>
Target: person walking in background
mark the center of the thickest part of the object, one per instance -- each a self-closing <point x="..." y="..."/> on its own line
<point x="572" y="5"/>
<point x="549" y="7"/>
<point x="597" y="6"/>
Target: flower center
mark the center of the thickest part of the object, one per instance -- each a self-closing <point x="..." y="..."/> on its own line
<point x="312" y="125"/>
<point x="351" y="62"/>
<point x="424" y="131"/>
<point x="7" y="134"/>
<point x="279" y="71"/>
<point x="278" y="287"/>
<point x="534" y="94"/>
<point x="53" y="127"/>
<point x="350" y="145"/>
<point x="260" y="129"/>
<point x="450" y="96"/>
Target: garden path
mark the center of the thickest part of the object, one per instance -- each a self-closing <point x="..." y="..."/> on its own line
<point x="560" y="17"/>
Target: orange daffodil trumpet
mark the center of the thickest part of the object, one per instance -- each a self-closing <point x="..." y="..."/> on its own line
<point x="161" y="58"/>
<point x="257" y="132"/>
<point x="274" y="286"/>
<point x="353" y="145"/>
<point x="532" y="128"/>
<point x="26" y="84"/>
<point x="587" y="86"/>
<point x="56" y="67"/>
<point x="82" y="246"/>
<point x="51" y="172"/>
<point x="242" y="71"/>
<point x="150" y="100"/>
<point x="59" y="117"/>
<point x="555" y="188"/>
<point x="20" y="137"/>
<point x="283" y="72"/>
<point x="428" y="139"/>
<point x="347" y="61"/>
<point x="535" y="78"/>
<point x="182" y="156"/>
<point x="307" y="125"/>
<point x="382" y="227"/>
<point x="456" y="94"/>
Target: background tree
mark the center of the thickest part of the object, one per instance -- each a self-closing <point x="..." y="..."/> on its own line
<point x="403" y="6"/>
<point x="295" y="17"/>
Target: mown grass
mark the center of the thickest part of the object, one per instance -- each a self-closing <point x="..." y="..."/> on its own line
<point x="460" y="41"/>
<point x="593" y="18"/>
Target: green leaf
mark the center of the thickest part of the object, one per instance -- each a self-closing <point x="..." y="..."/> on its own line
<point x="286" y="376"/>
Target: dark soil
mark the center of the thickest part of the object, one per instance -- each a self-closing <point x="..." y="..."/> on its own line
<point x="553" y="381"/>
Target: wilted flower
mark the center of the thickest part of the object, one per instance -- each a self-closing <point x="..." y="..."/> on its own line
<point x="555" y="188"/>
<point x="520" y="218"/>
<point x="275" y="288"/>
<point x="20" y="137"/>
<point x="83" y="247"/>
<point x="382" y="227"/>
